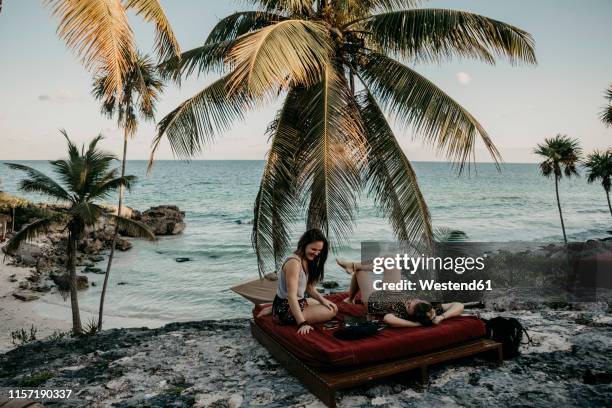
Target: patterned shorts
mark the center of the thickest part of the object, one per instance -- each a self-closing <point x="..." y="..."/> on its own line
<point x="281" y="312"/>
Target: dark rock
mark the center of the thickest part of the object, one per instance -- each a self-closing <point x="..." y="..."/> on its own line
<point x="123" y="244"/>
<point x="597" y="377"/>
<point x="121" y="283"/>
<point x="25" y="296"/>
<point x="163" y="220"/>
<point x="63" y="281"/>
<point x="182" y="259"/>
<point x="96" y="258"/>
<point x="93" y="269"/>
<point x="330" y="284"/>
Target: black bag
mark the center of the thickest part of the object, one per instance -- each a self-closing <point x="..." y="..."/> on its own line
<point x="358" y="331"/>
<point x="509" y="332"/>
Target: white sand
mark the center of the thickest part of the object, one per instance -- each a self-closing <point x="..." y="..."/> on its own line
<point x="16" y="314"/>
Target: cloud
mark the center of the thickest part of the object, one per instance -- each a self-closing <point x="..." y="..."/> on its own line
<point x="61" y="96"/>
<point x="464" y="78"/>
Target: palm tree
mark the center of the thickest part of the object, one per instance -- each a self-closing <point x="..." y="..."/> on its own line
<point x="86" y="176"/>
<point x="561" y="155"/>
<point x="606" y="114"/>
<point x="599" y="167"/>
<point x="141" y="89"/>
<point x="99" y="32"/>
<point x="333" y="61"/>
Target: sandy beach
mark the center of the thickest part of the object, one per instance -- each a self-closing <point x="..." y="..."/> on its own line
<point x="16" y="314"/>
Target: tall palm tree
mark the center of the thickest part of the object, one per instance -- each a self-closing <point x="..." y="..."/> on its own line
<point x="141" y="89"/>
<point x="85" y="177"/>
<point x="333" y="62"/>
<point x="561" y="155"/>
<point x="606" y="114"/>
<point x="599" y="167"/>
<point x="99" y="32"/>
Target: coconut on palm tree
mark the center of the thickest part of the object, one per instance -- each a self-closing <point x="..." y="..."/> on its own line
<point x="86" y="177"/>
<point x="99" y="32"/>
<point x="599" y="167"/>
<point x="140" y="91"/>
<point x="340" y="66"/>
<point x="606" y="114"/>
<point x="561" y="156"/>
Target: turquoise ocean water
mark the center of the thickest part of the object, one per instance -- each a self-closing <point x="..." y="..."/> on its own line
<point x="218" y="196"/>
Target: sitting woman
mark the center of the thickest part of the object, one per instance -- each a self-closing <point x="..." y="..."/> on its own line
<point x="300" y="273"/>
<point x="397" y="308"/>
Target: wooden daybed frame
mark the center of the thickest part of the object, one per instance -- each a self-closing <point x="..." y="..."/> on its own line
<point x="324" y="384"/>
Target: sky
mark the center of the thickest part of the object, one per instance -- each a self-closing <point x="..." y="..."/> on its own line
<point x="44" y="87"/>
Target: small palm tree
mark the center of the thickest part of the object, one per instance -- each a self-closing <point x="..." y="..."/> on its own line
<point x="340" y="66"/>
<point x="606" y="114"/>
<point x="599" y="167"/>
<point x="141" y="89"/>
<point x="86" y="177"/>
<point x="561" y="154"/>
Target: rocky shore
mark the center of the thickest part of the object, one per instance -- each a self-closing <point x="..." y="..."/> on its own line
<point x="219" y="364"/>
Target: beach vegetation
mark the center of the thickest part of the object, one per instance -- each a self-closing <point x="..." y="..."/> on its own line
<point x="561" y="156"/>
<point x="23" y="336"/>
<point x="140" y="91"/>
<point x="599" y="168"/>
<point x="85" y="177"/>
<point x="342" y="67"/>
<point x="37" y="379"/>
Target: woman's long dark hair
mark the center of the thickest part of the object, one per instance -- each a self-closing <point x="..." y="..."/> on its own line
<point x="316" y="267"/>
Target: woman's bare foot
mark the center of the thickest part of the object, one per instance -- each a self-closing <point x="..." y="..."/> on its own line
<point x="349" y="300"/>
<point x="265" y="311"/>
<point x="349" y="267"/>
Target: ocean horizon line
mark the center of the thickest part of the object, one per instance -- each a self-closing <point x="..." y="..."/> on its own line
<point x="263" y="160"/>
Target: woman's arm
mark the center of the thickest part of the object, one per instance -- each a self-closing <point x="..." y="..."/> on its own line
<point x="450" y="310"/>
<point x="292" y="275"/>
<point x="394" y="321"/>
<point x="314" y="293"/>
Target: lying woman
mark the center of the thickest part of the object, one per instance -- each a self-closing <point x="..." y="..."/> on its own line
<point x="397" y="308"/>
<point x="300" y="273"/>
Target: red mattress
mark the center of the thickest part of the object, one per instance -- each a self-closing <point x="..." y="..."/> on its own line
<point x="320" y="348"/>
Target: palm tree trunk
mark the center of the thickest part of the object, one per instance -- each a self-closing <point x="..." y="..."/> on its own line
<point x="116" y="234"/>
<point x="74" y="301"/>
<point x="559" y="205"/>
<point x="608" y="197"/>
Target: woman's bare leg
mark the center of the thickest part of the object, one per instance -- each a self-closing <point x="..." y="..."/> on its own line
<point x="317" y="313"/>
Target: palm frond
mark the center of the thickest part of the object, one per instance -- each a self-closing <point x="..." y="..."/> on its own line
<point x="561" y="155"/>
<point x="133" y="227"/>
<point x="599" y="167"/>
<point x="28" y="233"/>
<point x="606" y="113"/>
<point x="433" y="35"/>
<point x="391" y="178"/>
<point x="290" y="51"/>
<point x="239" y="23"/>
<point x="418" y="102"/>
<point x="290" y="7"/>
<point x="87" y="212"/>
<point x="38" y="182"/>
<point x="199" y="119"/>
<point x="204" y="59"/>
<point x="151" y="10"/>
<point x="334" y="150"/>
<point x="105" y="187"/>
<point x="276" y="202"/>
<point x="98" y="31"/>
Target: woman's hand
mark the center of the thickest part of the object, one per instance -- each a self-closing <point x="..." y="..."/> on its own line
<point x="304" y="329"/>
<point x="438" y="319"/>
<point x="330" y="305"/>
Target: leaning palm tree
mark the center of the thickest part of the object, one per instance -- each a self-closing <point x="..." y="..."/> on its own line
<point x="340" y="66"/>
<point x="606" y="113"/>
<point x="99" y="32"/>
<point x="599" y="167"/>
<point x="561" y="155"/>
<point x="141" y="89"/>
<point x="86" y="177"/>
